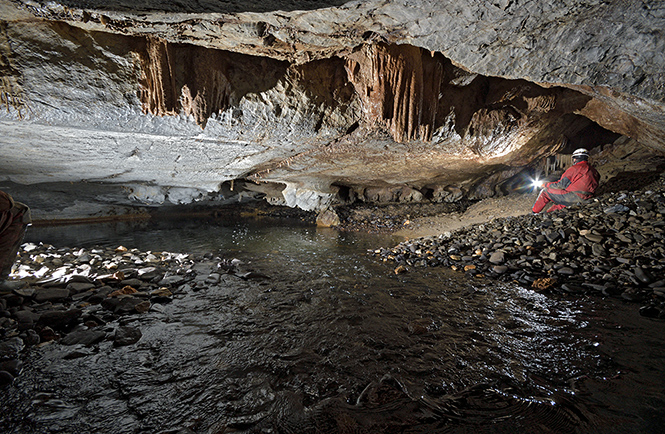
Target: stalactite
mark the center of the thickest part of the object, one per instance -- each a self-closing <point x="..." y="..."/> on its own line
<point x="177" y="77"/>
<point x="11" y="91"/>
<point x="399" y="87"/>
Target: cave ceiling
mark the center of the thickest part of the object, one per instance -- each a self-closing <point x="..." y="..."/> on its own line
<point x="173" y="100"/>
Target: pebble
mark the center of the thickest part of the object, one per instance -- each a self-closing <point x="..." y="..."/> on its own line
<point x="500" y="269"/>
<point x="497" y="257"/>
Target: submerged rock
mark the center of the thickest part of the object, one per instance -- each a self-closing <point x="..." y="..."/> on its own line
<point x="83" y="337"/>
<point x="126" y="335"/>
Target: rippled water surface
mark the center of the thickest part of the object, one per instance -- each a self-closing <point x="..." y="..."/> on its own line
<point x="335" y="342"/>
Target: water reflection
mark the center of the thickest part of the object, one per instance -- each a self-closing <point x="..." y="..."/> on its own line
<point x="336" y="342"/>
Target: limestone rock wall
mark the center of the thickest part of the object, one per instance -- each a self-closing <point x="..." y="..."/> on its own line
<point x="333" y="101"/>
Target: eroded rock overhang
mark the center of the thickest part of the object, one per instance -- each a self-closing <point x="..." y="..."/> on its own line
<point x="368" y="100"/>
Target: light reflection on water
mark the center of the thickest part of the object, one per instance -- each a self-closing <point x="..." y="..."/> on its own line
<point x="336" y="342"/>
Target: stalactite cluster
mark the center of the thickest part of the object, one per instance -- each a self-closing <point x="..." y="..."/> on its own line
<point x="187" y="78"/>
<point x="399" y="87"/>
<point x="11" y="91"/>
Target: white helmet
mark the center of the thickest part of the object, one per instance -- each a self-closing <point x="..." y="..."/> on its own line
<point x="581" y="152"/>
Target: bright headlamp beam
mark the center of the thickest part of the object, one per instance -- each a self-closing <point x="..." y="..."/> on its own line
<point x="537" y="183"/>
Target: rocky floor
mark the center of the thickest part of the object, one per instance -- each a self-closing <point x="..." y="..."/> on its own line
<point x="73" y="295"/>
<point x="613" y="246"/>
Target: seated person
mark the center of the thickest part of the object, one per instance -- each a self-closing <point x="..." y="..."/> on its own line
<point x="577" y="183"/>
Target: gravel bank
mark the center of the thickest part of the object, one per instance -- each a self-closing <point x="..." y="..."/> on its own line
<point x="612" y="246"/>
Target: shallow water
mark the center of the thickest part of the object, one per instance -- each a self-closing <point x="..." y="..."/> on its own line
<point x="335" y="342"/>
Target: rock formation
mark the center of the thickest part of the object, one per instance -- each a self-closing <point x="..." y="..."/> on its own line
<point x="336" y="101"/>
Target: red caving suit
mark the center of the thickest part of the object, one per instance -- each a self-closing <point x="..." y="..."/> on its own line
<point x="577" y="183"/>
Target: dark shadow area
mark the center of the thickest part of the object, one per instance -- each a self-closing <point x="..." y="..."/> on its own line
<point x="202" y="6"/>
<point x="631" y="180"/>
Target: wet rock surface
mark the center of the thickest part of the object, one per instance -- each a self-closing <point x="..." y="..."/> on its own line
<point x="612" y="246"/>
<point x="80" y="297"/>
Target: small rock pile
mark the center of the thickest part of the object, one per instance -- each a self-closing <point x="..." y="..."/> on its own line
<point x="614" y="245"/>
<point x="76" y="296"/>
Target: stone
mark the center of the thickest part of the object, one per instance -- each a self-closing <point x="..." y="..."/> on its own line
<point x="134" y="283"/>
<point x="618" y="208"/>
<point x="500" y="269"/>
<point x="122" y="304"/>
<point x="76" y="287"/>
<point x="594" y="237"/>
<point x="598" y="250"/>
<point x="213" y="279"/>
<point x="552" y="236"/>
<point x="83" y="336"/>
<point x="83" y="295"/>
<point x="161" y="292"/>
<point x="142" y="307"/>
<point x="59" y="319"/>
<point x="7" y="286"/>
<point x="79" y="278"/>
<point x="14" y="367"/>
<point x="149" y="273"/>
<point x="497" y="257"/>
<point x="25" y="292"/>
<point x="26" y="319"/>
<point x="124" y="291"/>
<point x="31" y="338"/>
<point x="612" y="291"/>
<point x="642" y="275"/>
<point x="125" y="335"/>
<point x="572" y="289"/>
<point x="328" y="218"/>
<point x="566" y="271"/>
<point x="51" y="294"/>
<point x="78" y="353"/>
<point x="6" y="378"/>
<point x="623" y="238"/>
<point x="632" y="294"/>
<point x="100" y="294"/>
<point x="650" y="311"/>
<point x="10" y="348"/>
<point x="174" y="280"/>
<point x="48" y="334"/>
